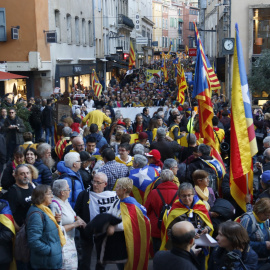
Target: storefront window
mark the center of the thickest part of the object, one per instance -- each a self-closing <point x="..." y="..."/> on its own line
<point x="261" y="30"/>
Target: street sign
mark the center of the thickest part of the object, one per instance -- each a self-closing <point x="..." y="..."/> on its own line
<point x="119" y="50"/>
<point x="142" y="40"/>
<point x="137" y="22"/>
<point x="155" y="43"/>
<point x="192" y="52"/>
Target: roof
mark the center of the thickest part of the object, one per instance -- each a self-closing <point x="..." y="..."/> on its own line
<point x="9" y="76"/>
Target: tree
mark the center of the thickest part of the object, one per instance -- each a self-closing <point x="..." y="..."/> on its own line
<point x="259" y="79"/>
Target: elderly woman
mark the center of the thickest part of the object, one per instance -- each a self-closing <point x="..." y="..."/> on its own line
<point x="69" y="221"/>
<point x="257" y="225"/>
<point x="189" y="208"/>
<point x="165" y="193"/>
<point x="127" y="209"/>
<point x="8" y="179"/>
<point x="44" y="235"/>
<point x="202" y="189"/>
<point x="232" y="237"/>
<point x="45" y="175"/>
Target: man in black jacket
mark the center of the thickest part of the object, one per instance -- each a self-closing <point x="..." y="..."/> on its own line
<point x="47" y="122"/>
<point x="182" y="238"/>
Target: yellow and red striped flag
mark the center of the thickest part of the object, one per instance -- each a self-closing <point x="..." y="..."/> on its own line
<point x="182" y="87"/>
<point x="205" y="110"/>
<point x="97" y="87"/>
<point x="132" y="57"/>
<point x="243" y="140"/>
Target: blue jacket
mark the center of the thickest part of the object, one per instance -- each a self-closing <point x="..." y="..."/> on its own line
<point x="44" y="173"/>
<point x="43" y="241"/>
<point x="74" y="177"/>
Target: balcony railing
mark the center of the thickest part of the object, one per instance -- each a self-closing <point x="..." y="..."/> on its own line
<point x="122" y="19"/>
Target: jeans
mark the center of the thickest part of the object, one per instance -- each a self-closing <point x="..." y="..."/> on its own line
<point x="50" y="133"/>
<point x="38" y="134"/>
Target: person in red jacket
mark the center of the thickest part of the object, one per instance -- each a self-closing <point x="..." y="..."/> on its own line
<point x="154" y="203"/>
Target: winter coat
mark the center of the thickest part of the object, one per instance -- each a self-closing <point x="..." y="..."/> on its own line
<point x="100" y="139"/>
<point x="43" y="241"/>
<point x="74" y="181"/>
<point x="6" y="237"/>
<point x="218" y="259"/>
<point x="47" y="117"/>
<point x="8" y="179"/>
<point x="44" y="173"/>
<point x="19" y="132"/>
<point x="154" y="204"/>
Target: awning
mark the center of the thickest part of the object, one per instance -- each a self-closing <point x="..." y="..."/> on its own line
<point x="9" y="76"/>
<point x="180" y="20"/>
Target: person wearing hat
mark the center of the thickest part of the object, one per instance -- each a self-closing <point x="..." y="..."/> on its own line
<point x="265" y="182"/>
<point x="154" y="160"/>
<point x="84" y="170"/>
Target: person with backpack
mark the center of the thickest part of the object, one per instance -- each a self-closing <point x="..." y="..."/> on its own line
<point x="69" y="169"/>
<point x="257" y="225"/>
<point x="158" y="202"/>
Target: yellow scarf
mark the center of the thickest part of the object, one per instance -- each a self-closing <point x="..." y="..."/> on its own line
<point x="48" y="211"/>
<point x="204" y="195"/>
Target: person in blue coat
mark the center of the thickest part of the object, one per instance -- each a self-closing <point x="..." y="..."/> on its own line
<point x="233" y="238"/>
<point x="44" y="235"/>
<point x="69" y="170"/>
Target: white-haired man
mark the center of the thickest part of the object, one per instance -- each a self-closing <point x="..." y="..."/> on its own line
<point x="69" y="170"/>
<point x="88" y="205"/>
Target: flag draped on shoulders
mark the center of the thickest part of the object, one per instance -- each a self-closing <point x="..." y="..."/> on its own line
<point x="179" y="209"/>
<point x="137" y="232"/>
<point x="201" y="92"/>
<point x="96" y="85"/>
<point x="6" y="217"/>
<point x="243" y="140"/>
<point x="143" y="182"/>
<point x="132" y="57"/>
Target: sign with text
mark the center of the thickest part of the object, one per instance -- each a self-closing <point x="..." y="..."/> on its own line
<point x="142" y="40"/>
<point x="192" y="52"/>
<point x="137" y="22"/>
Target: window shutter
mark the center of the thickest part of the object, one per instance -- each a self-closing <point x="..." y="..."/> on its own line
<point x="3" y="30"/>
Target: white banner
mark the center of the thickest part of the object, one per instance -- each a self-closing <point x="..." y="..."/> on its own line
<point x="101" y="202"/>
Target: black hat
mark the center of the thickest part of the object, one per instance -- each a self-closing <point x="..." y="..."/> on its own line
<point x="85" y="156"/>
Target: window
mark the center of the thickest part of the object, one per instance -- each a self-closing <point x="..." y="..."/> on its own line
<point x="57" y="24"/>
<point x="191" y="26"/>
<point x="166" y="24"/>
<point x="166" y="42"/>
<point x="83" y="32"/>
<point x="77" y="31"/>
<point x="3" y="32"/>
<point x="90" y="33"/>
<point x="163" y="25"/>
<point x="163" y="43"/>
<point x="68" y="29"/>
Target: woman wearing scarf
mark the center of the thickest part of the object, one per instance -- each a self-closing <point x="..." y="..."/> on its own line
<point x="205" y="193"/>
<point x="257" y="225"/>
<point x="44" y="235"/>
<point x="188" y="208"/>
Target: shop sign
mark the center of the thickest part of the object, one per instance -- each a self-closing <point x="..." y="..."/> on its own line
<point x="192" y="52"/>
<point x="142" y="40"/>
<point x="137" y="22"/>
<point x="119" y="50"/>
<point x="77" y="69"/>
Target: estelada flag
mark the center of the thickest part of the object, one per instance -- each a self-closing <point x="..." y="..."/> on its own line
<point x="243" y="140"/>
<point x="143" y="182"/>
<point x="97" y="87"/>
<point x="132" y="57"/>
<point x="137" y="232"/>
<point x="182" y="87"/>
<point x="178" y="209"/>
<point x="6" y="217"/>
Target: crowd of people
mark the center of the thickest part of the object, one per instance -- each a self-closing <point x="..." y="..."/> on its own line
<point x="129" y="189"/>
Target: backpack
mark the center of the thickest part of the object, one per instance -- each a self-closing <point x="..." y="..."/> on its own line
<point x="21" y="249"/>
<point x="165" y="207"/>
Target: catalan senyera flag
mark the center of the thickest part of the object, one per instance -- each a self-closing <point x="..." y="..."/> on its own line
<point x="201" y="92"/>
<point x="179" y="209"/>
<point x="243" y="140"/>
<point x="182" y="87"/>
<point x="143" y="182"/>
<point x="132" y="57"/>
<point x="164" y="69"/>
<point x="137" y="232"/>
<point x="97" y="87"/>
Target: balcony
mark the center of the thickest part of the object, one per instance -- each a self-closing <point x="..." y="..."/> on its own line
<point x="126" y="22"/>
